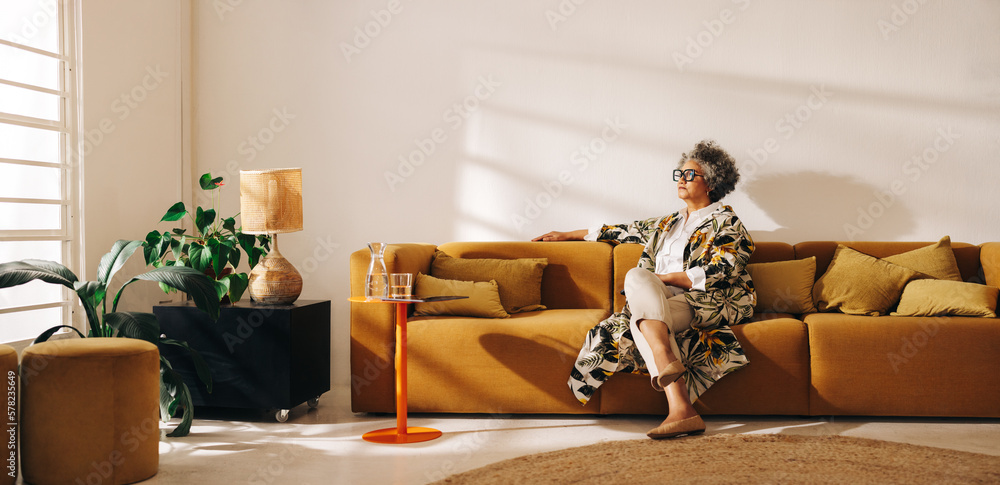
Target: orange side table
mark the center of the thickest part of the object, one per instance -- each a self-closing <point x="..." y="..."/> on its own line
<point x="401" y="433"/>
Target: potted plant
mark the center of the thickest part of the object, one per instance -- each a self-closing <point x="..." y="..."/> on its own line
<point x="174" y="393"/>
<point x="213" y="248"/>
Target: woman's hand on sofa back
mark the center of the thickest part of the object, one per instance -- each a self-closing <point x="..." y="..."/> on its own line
<point x="577" y="235"/>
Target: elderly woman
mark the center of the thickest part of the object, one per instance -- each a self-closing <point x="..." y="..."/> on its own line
<point x="690" y="285"/>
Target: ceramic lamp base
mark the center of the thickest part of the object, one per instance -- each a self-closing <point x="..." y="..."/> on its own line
<point x="274" y="281"/>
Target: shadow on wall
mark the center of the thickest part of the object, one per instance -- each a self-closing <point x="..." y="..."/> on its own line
<point x="812" y="206"/>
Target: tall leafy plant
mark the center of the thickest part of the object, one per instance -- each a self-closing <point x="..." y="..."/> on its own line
<point x="174" y="394"/>
<point x="213" y="248"/>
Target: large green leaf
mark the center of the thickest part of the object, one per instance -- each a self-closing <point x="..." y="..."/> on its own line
<point x="174" y="396"/>
<point x="177" y="246"/>
<point x="53" y="267"/>
<point x="238" y="283"/>
<point x="208" y="183"/>
<point x="156" y="246"/>
<point x="91" y="294"/>
<point x="220" y="255"/>
<point x="234" y="252"/>
<point x="229" y="224"/>
<point x="254" y="256"/>
<point x="113" y="261"/>
<point x="200" y="256"/>
<point x="203" y="220"/>
<point x="199" y="287"/>
<point x="200" y="366"/>
<point x="175" y="212"/>
<point x="137" y="325"/>
<point x="20" y="272"/>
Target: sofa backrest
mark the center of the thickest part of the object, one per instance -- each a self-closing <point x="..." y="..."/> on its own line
<point x="626" y="256"/>
<point x="579" y="274"/>
<point x="966" y="254"/>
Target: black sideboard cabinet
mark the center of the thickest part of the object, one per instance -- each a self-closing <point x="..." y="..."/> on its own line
<point x="269" y="357"/>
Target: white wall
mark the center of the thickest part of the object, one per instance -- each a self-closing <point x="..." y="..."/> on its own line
<point x="512" y="169"/>
<point x="134" y="60"/>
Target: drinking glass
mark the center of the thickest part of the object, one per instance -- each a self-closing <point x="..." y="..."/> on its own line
<point x="401" y="285"/>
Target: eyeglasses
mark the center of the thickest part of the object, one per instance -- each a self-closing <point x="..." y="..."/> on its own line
<point x="688" y="175"/>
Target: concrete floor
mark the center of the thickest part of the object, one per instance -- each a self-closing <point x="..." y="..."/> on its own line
<point x="324" y="445"/>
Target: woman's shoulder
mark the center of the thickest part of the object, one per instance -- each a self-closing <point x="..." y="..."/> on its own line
<point x="726" y="217"/>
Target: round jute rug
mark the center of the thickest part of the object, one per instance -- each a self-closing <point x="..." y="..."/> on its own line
<point x="741" y="458"/>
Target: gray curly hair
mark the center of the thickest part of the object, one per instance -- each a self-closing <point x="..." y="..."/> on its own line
<point x="718" y="167"/>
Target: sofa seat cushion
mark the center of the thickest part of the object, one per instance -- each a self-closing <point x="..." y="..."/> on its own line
<point x="775" y="382"/>
<point x="519" y="364"/>
<point x="759" y="317"/>
<point x="904" y="366"/>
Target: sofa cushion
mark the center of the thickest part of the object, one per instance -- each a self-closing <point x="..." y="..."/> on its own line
<point x="514" y="365"/>
<point x="784" y="286"/>
<point x="859" y="284"/>
<point x="966" y="255"/>
<point x="941" y="297"/>
<point x="775" y="382"/>
<point x="483" y="301"/>
<point x="903" y="366"/>
<point x="519" y="280"/>
<point x="579" y="274"/>
<point x="935" y="261"/>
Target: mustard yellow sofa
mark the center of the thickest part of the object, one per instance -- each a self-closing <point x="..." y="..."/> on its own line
<point x="800" y="364"/>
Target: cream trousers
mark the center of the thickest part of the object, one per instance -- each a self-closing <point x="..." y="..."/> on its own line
<point x="650" y="299"/>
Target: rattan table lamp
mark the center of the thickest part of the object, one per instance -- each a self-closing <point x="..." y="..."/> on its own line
<point x="271" y="203"/>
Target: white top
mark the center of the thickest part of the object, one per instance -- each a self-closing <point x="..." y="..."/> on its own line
<point x="670" y="258"/>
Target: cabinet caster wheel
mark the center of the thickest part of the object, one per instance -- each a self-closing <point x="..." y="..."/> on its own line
<point x="313" y="403"/>
<point x="281" y="416"/>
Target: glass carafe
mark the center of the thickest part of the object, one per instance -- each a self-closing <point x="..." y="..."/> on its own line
<point x="377" y="281"/>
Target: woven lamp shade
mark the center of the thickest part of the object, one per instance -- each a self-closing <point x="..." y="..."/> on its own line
<point x="271" y="200"/>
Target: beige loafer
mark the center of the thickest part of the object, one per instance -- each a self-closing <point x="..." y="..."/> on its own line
<point x="668" y="375"/>
<point x="689" y="426"/>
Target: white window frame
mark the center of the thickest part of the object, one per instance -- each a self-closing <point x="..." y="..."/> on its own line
<point x="71" y="233"/>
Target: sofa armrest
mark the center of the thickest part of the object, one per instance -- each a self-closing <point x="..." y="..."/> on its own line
<point x="373" y="334"/>
<point x="989" y="258"/>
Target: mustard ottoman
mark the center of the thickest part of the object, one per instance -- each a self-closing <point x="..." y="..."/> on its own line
<point x="8" y="374"/>
<point x="89" y="411"/>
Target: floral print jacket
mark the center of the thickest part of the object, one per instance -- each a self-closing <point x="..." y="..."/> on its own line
<point x="722" y="247"/>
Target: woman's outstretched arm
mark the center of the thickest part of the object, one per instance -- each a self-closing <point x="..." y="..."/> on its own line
<point x="577" y="235"/>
